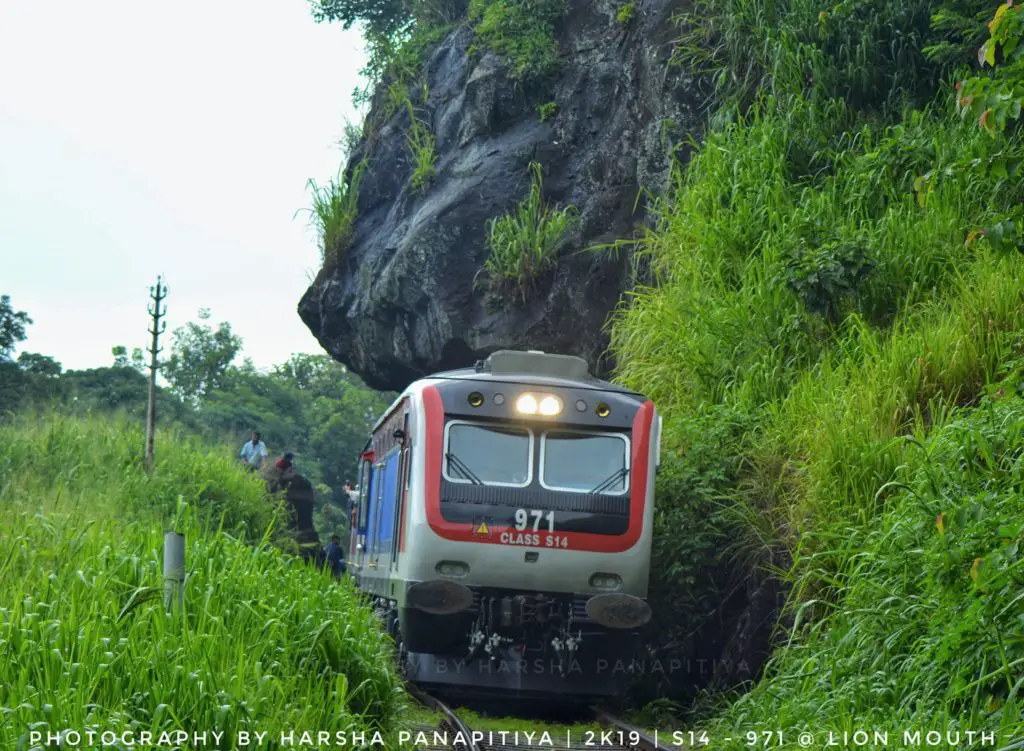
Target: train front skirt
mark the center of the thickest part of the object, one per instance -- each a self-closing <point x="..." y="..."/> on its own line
<point x="511" y="671"/>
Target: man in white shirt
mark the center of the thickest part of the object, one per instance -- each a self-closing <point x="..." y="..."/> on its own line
<point x="253" y="452"/>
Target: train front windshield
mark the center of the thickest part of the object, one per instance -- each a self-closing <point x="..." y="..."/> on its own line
<point x="559" y="460"/>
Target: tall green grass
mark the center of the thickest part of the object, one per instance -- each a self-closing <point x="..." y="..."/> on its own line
<point x="813" y="305"/>
<point x="422" y="145"/>
<point x="264" y="643"/>
<point x="333" y="213"/>
<point x="525" y="243"/>
<point x="922" y="628"/>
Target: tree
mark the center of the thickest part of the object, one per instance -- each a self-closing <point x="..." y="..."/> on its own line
<point x="200" y="357"/>
<point x="12" y="327"/>
<point x="42" y="374"/>
<point x="36" y="364"/>
<point x="122" y="360"/>
<point x="384" y="17"/>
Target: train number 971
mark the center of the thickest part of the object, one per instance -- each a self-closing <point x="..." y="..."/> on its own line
<point x="523" y="519"/>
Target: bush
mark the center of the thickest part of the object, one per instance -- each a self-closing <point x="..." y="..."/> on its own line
<point x="523" y="32"/>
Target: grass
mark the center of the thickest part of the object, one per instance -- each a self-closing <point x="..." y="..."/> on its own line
<point x="922" y="626"/>
<point x="333" y="214"/>
<point x="829" y="343"/>
<point x="84" y="636"/>
<point x="524" y="243"/>
<point x="422" y="146"/>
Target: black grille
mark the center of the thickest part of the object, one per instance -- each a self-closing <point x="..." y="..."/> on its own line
<point x="534" y="498"/>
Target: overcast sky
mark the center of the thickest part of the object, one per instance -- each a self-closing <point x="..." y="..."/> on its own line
<point x="140" y="138"/>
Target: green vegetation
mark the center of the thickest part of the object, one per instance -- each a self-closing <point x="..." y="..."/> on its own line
<point x="547" y="110"/>
<point x="626" y="12"/>
<point x="84" y="636"/>
<point x="399" y="34"/>
<point x="309" y="405"/>
<point x="334" y="211"/>
<point x="521" y="31"/>
<point x="834" y="338"/>
<point x="923" y="595"/>
<point x="524" y="243"/>
<point x="421" y="144"/>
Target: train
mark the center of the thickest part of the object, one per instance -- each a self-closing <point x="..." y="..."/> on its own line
<point x="503" y="527"/>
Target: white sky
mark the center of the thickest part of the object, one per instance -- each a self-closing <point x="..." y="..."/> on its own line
<point x="139" y="138"/>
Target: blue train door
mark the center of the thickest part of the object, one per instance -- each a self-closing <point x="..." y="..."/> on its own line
<point x="384" y="528"/>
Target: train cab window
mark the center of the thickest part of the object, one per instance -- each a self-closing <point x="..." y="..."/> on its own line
<point x="484" y="455"/>
<point x="585" y="462"/>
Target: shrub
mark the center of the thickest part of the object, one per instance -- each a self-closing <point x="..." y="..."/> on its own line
<point x="547" y="110"/>
<point x="524" y="243"/>
<point x="523" y="32"/>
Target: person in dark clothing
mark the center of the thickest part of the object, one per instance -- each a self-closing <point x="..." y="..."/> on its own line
<point x="335" y="557"/>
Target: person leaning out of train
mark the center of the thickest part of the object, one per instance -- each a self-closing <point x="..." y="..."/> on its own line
<point x="253" y="452"/>
<point x="335" y="556"/>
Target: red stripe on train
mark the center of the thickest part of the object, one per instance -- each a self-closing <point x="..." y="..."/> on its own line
<point x="641" y="443"/>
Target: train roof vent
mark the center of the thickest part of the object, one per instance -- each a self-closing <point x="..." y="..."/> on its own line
<point x="534" y="362"/>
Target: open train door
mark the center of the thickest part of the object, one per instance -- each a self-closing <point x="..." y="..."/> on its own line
<point x="359" y="515"/>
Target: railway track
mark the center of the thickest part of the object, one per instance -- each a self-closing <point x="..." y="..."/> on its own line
<point x="615" y="734"/>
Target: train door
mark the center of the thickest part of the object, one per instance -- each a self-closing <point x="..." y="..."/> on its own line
<point x="362" y="513"/>
<point x="402" y="494"/>
<point x="373" y="544"/>
<point x="388" y="500"/>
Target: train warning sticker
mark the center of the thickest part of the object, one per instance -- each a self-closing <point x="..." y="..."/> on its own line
<point x="482" y="529"/>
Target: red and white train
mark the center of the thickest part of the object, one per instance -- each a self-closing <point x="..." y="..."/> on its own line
<point x="504" y="526"/>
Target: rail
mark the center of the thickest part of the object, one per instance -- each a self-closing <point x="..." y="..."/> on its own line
<point x="452" y="719"/>
<point x="645" y="742"/>
<point x="629" y="737"/>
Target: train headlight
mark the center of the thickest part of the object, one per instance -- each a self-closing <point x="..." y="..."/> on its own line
<point x="476" y="399"/>
<point x="526" y="404"/>
<point x="456" y="569"/>
<point x="538" y="404"/>
<point x="605" y="581"/>
<point x="550" y="405"/>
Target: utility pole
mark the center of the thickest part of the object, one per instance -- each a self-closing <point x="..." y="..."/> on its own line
<point x="157" y="294"/>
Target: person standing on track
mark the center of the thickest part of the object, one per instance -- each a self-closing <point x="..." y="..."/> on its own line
<point x="253" y="452"/>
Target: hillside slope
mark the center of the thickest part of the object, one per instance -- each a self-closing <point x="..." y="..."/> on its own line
<point x="835" y="336"/>
<point x="85" y="642"/>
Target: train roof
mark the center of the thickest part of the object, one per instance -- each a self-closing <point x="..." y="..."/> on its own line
<point x="513" y="366"/>
<point x="536" y="367"/>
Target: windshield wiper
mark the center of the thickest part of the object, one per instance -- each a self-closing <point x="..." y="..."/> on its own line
<point x="454" y="461"/>
<point x="607" y="483"/>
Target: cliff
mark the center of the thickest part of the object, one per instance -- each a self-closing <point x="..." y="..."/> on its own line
<point x="404" y="299"/>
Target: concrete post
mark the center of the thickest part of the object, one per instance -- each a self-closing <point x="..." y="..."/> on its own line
<point x="174" y="570"/>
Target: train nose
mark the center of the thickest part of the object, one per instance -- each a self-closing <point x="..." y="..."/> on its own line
<point x="618" y="610"/>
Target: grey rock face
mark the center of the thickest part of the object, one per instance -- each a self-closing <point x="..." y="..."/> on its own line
<point x="402" y="302"/>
